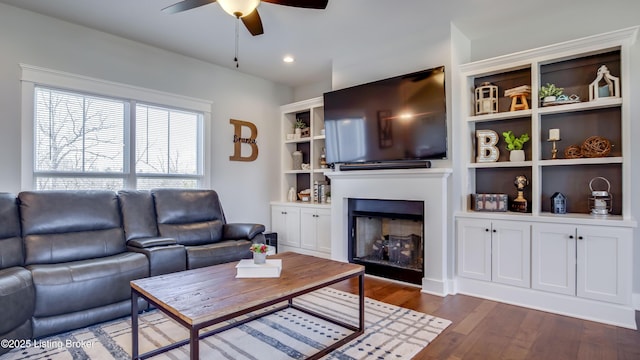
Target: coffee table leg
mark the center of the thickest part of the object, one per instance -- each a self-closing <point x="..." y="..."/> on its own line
<point x="194" y="344"/>
<point x="134" y="325"/>
<point x="361" y="299"/>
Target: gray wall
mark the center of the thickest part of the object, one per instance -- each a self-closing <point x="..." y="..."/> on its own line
<point x="245" y="187"/>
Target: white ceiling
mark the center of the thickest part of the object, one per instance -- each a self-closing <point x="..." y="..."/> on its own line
<point x="315" y="37"/>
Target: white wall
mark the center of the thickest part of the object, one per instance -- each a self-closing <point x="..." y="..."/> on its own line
<point x="244" y="187"/>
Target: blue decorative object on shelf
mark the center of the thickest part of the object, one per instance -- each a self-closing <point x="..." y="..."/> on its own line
<point x="558" y="203"/>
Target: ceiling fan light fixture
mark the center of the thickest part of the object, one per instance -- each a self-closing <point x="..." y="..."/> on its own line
<point x="239" y="8"/>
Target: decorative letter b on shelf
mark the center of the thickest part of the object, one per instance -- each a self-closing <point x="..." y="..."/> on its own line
<point x="238" y="140"/>
<point x="487" y="149"/>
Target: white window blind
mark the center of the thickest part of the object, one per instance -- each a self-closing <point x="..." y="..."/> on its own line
<point x="83" y="141"/>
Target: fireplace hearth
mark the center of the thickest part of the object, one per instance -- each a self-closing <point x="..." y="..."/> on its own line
<point x="387" y="237"/>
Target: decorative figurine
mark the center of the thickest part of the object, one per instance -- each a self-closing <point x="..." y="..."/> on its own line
<point x="519" y="204"/>
<point x="558" y="203"/>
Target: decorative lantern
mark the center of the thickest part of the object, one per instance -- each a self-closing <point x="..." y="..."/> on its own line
<point x="605" y="85"/>
<point x="600" y="200"/>
<point x="486" y="99"/>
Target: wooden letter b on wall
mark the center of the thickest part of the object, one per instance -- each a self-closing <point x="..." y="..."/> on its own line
<point x="238" y="140"/>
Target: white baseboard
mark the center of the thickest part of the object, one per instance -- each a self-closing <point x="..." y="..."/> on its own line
<point x="635" y="300"/>
<point x="599" y="311"/>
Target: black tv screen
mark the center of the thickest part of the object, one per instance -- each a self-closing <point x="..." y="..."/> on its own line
<point x="396" y="119"/>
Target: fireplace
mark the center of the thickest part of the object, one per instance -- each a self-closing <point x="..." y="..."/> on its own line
<point x="386" y="236"/>
<point x="428" y="186"/>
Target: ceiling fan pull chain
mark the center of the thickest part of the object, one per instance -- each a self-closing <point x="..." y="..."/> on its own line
<point x="237" y="40"/>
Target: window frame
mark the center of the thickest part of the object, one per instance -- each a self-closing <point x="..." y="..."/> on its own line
<point x="33" y="77"/>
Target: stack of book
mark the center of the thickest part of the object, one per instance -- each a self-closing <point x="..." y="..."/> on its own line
<point x="320" y="191"/>
<point x="248" y="269"/>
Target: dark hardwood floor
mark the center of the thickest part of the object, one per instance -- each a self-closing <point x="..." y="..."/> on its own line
<point x="484" y="329"/>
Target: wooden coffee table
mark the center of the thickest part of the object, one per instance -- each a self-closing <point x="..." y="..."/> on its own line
<point x="207" y="296"/>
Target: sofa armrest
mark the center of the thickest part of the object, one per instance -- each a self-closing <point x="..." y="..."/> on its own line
<point x="149" y="242"/>
<point x="241" y="231"/>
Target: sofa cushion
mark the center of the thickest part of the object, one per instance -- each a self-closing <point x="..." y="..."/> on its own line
<point x="80" y="285"/>
<point x="202" y="233"/>
<point x="138" y="214"/>
<point x="192" y="217"/>
<point x="17" y="298"/>
<point x="10" y="242"/>
<point x="217" y="253"/>
<point x="61" y="226"/>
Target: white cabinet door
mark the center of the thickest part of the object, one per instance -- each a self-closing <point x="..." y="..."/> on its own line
<point x="285" y="220"/>
<point x="323" y="231"/>
<point x="315" y="229"/>
<point x="511" y="253"/>
<point x="474" y="248"/>
<point x="308" y="225"/>
<point x="553" y="258"/>
<point x="604" y="263"/>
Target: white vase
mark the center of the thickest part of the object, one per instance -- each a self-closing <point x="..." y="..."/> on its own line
<point x="516" y="155"/>
<point x="259" y="258"/>
<point x="297" y="133"/>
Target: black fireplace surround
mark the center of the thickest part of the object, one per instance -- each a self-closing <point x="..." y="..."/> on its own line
<point x="387" y="237"/>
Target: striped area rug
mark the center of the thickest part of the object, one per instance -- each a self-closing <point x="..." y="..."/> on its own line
<point x="391" y="332"/>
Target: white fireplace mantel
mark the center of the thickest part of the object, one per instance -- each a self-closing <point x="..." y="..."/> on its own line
<point x="427" y="185"/>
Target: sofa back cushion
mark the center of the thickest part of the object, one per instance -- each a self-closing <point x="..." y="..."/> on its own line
<point x="192" y="217"/>
<point x="61" y="226"/>
<point x="10" y="240"/>
<point x="138" y="214"/>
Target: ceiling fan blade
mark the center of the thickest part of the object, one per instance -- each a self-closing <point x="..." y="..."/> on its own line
<point x="309" y="4"/>
<point x="253" y="23"/>
<point x="186" y="5"/>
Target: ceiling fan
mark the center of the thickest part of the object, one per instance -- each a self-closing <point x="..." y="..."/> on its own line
<point x="245" y="10"/>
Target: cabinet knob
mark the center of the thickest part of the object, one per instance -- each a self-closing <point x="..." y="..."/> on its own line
<point x="487" y="230"/>
<point x="570" y="236"/>
<point x="494" y="230"/>
<point x="579" y="237"/>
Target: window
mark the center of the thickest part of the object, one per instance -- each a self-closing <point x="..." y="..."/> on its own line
<point x="87" y="141"/>
<point x="167" y="147"/>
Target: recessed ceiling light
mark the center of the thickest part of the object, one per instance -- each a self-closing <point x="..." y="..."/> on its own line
<point x="288" y="59"/>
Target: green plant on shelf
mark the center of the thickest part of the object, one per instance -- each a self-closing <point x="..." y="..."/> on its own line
<point x="513" y="142"/>
<point x="550" y="90"/>
<point x="299" y="124"/>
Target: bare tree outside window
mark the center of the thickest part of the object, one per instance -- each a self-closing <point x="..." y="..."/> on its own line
<point x="80" y="143"/>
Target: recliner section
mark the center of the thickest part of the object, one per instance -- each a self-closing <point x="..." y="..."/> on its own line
<point x="67" y="257"/>
<point x="196" y="220"/>
<point x="17" y="294"/>
<point x="76" y="252"/>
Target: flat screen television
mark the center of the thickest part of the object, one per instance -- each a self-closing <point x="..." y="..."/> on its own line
<point x="403" y="118"/>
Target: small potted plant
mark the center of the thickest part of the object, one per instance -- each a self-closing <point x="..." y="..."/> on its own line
<point x="259" y="253"/>
<point x="515" y="144"/>
<point x="549" y="93"/>
<point x="297" y="128"/>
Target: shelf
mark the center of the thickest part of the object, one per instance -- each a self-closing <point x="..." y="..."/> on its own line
<point x="297" y="171"/>
<point x="297" y="141"/>
<point x="581" y="161"/>
<point x="587" y="105"/>
<point x="506" y="115"/>
<point x="547" y="217"/>
<point x="500" y="164"/>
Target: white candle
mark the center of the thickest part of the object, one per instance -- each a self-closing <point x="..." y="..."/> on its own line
<point x="554" y="134"/>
